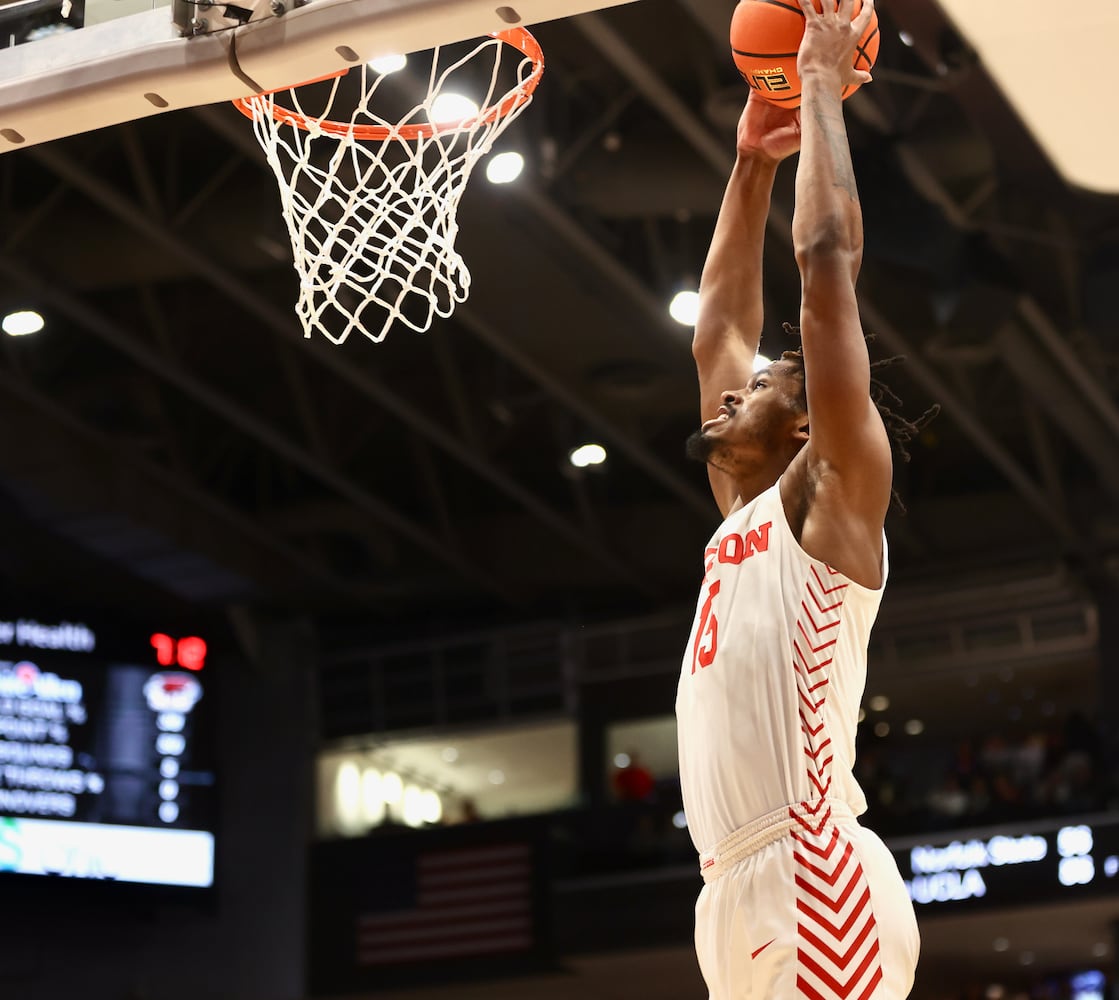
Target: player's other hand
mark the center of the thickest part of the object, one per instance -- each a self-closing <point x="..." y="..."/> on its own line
<point x="767" y="130"/>
<point x="830" y="38"/>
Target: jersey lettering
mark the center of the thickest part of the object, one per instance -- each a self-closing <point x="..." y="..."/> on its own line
<point x="733" y="549"/>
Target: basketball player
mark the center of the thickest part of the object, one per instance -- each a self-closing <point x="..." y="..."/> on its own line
<point x="799" y="900"/>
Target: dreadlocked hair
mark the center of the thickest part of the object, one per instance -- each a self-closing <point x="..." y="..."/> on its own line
<point x="899" y="428"/>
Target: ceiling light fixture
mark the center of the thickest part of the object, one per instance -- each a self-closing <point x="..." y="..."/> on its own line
<point x="504" y="167"/>
<point x="684" y="307"/>
<point x="452" y="108"/>
<point x="22" y="323"/>
<point x="587" y="454"/>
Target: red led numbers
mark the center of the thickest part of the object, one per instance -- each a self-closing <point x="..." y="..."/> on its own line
<point x="164" y="649"/>
<point x="188" y="652"/>
<point x="192" y="653"/>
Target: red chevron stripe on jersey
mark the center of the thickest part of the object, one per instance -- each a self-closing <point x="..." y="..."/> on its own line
<point x="837" y="936"/>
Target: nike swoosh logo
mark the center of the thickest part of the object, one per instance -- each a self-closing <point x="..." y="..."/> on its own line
<point x="755" y="954"/>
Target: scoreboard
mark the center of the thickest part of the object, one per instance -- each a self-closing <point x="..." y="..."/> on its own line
<point x="1043" y="862"/>
<point x="105" y="757"/>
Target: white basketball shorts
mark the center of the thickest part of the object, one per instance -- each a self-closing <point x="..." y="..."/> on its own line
<point x="805" y="903"/>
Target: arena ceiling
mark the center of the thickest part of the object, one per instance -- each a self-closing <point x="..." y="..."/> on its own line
<point x="172" y="440"/>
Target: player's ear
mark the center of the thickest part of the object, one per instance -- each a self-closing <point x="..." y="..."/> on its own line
<point x="802" y="430"/>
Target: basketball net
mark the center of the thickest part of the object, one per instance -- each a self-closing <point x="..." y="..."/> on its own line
<point x="370" y="203"/>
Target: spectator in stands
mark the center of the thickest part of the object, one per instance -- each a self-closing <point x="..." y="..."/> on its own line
<point x="634" y="782"/>
<point x="468" y="811"/>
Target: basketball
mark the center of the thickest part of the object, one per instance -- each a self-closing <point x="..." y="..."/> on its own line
<point x="764" y="38"/>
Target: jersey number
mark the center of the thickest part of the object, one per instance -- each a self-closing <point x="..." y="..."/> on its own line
<point x="707" y="633"/>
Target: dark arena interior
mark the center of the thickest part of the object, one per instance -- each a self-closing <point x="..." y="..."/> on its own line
<point x="332" y="633"/>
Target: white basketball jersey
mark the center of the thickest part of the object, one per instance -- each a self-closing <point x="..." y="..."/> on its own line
<point x="772" y="677"/>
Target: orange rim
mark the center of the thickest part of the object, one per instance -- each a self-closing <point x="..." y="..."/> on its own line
<point x="519" y="38"/>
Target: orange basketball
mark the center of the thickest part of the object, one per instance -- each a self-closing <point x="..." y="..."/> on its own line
<point x="764" y="38"/>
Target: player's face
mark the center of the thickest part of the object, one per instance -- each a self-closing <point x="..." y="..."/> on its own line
<point x="764" y="411"/>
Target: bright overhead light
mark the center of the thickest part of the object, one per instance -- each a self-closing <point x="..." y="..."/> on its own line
<point x="390" y="62"/>
<point x="879" y="703"/>
<point x="414" y="806"/>
<point x="497" y="777"/>
<point x="452" y="108"/>
<point x="761" y="362"/>
<point x="914" y="727"/>
<point x="684" y="308"/>
<point x="347" y="798"/>
<point x="392" y="787"/>
<point x="432" y="807"/>
<point x="622" y="760"/>
<point x="587" y="454"/>
<point x="372" y="797"/>
<point x="504" y="167"/>
<point x="679" y="820"/>
<point x="906" y="38"/>
<point x="22" y="323"/>
<point x="449" y="755"/>
<point x="881" y="729"/>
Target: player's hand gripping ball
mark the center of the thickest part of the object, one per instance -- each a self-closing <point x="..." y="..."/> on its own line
<point x="765" y="36"/>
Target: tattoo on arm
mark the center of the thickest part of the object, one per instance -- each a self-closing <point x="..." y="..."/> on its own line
<point x="835" y="133"/>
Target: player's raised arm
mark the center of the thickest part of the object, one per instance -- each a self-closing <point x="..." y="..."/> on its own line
<point x="849" y="451"/>
<point x="729" y="325"/>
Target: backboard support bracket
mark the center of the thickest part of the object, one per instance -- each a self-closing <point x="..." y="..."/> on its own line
<point x="154" y="61"/>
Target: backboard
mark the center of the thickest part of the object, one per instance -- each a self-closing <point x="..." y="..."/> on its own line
<point x="180" y="55"/>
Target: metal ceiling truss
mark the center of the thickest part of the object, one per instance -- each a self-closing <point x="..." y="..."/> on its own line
<point x="715" y="152"/>
<point x="604" y="263"/>
<point x="627" y="444"/>
<point x="281" y="322"/>
<point x="137" y="476"/>
<point x="402" y="685"/>
<point x="465" y="446"/>
<point x="235" y="415"/>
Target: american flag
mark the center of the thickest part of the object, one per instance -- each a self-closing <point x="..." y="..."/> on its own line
<point x="457" y="903"/>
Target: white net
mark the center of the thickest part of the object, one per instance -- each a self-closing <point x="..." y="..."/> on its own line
<point x="370" y="197"/>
